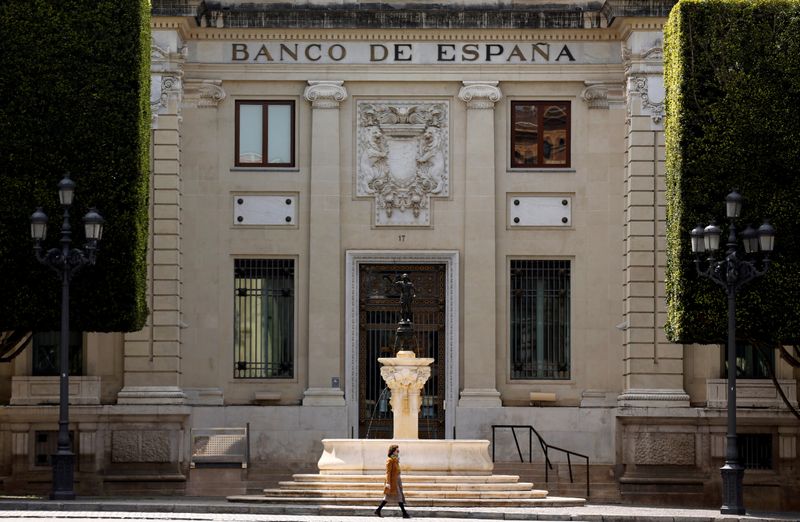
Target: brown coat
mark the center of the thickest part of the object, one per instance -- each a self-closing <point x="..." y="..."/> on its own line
<point x="393" y="486"/>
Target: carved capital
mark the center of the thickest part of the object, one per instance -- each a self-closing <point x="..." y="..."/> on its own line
<point x="203" y="93"/>
<point x="480" y="95"/>
<point x="603" y="95"/>
<point x="325" y="94"/>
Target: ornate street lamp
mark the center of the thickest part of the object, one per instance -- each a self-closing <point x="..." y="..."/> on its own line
<point x="732" y="272"/>
<point x="65" y="261"/>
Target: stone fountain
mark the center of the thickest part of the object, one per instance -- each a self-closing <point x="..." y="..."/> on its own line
<point x="405" y="375"/>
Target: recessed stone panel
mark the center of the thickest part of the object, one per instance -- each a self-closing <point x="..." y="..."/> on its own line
<point x="270" y="210"/>
<point x="539" y="211"/>
<point x="665" y="449"/>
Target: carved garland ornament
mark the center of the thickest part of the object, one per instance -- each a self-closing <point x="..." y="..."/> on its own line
<point x="402" y="158"/>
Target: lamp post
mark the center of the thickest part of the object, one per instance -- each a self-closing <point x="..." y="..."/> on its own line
<point x="732" y="272"/>
<point x="65" y="261"/>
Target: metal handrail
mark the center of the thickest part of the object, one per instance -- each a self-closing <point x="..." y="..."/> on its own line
<point x="545" y="449"/>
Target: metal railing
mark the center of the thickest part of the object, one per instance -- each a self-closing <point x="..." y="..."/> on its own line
<point x="545" y="449"/>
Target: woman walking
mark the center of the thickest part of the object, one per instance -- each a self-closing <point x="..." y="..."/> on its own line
<point x="393" y="486"/>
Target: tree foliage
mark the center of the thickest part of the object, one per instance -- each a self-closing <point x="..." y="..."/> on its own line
<point x="75" y="89"/>
<point x="732" y="75"/>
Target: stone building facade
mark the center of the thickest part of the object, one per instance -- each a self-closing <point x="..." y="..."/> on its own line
<point x="508" y="156"/>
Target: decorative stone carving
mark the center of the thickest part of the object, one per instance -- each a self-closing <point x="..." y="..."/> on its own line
<point x="140" y="446"/>
<point x="405" y="375"/>
<point x="402" y="158"/>
<point x="325" y="94"/>
<point x="664" y="449"/>
<point x="166" y="73"/>
<point x="202" y="93"/>
<point x="480" y="95"/>
<point x="603" y="95"/>
<point x="639" y="85"/>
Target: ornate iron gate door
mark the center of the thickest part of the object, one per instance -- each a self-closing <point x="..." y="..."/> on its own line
<point x="379" y="312"/>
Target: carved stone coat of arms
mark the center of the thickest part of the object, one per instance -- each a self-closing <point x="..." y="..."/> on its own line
<point x="402" y="159"/>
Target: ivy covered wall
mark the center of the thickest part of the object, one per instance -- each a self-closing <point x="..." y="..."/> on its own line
<point x="732" y="74"/>
<point x="75" y="98"/>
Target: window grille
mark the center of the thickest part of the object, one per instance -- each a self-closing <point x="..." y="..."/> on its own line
<point x="46" y="350"/>
<point x="46" y="444"/>
<point x="755" y="450"/>
<point x="540" y="319"/>
<point x="263" y="318"/>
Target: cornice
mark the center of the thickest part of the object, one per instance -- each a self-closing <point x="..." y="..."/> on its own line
<point x="453" y="35"/>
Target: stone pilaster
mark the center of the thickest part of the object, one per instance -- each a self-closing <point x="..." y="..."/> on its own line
<point x="152" y="356"/>
<point x="480" y="389"/>
<point x="324" y="252"/>
<point x="653" y="372"/>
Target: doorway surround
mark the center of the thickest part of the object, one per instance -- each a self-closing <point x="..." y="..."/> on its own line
<point x="354" y="260"/>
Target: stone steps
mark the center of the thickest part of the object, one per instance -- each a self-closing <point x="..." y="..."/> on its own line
<point x="416" y="502"/>
<point x="409" y="493"/>
<point x="503" y="490"/>
<point x="408" y="486"/>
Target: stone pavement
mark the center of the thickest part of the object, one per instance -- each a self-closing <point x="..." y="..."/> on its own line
<point x="94" y="509"/>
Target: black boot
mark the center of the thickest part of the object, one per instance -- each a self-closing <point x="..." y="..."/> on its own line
<point x="378" y="511"/>
<point x="403" y="509"/>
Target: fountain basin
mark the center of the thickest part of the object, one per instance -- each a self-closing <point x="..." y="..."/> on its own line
<point x="428" y="457"/>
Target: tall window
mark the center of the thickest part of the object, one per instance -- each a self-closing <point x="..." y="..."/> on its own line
<point x="264" y="133"/>
<point x="540" y="319"/>
<point x="540" y="134"/>
<point x="750" y="363"/>
<point x="46" y="350"/>
<point x="263" y="319"/>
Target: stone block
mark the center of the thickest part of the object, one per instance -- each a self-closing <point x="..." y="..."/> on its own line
<point x="166" y="137"/>
<point x="642" y="259"/>
<point x="635" y="139"/>
<point x="166" y="349"/>
<point x="166" y="333"/>
<point x="640" y="228"/>
<point x="166" y="287"/>
<point x="166" y="302"/>
<point x="166" y="257"/>
<point x="169" y="167"/>
<point x="639" y="183"/>
<point x="662" y="449"/>
<point x="641" y="154"/>
<point x="137" y="348"/>
<point x="129" y="446"/>
<point x="640" y="198"/>
<point x="165" y="152"/>
<point x="640" y="168"/>
<point x="639" y="335"/>
<point x="163" y="242"/>
<point x="647" y="213"/>
<point x="641" y="244"/>
<point x="166" y="318"/>
<point x="166" y="212"/>
<point x="646" y="289"/>
<point x="639" y="304"/>
<point x="168" y="272"/>
<point x="168" y="181"/>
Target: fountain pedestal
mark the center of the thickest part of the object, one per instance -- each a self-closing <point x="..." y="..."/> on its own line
<point x="405" y="375"/>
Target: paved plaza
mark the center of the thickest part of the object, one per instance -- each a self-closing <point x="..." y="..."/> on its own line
<point x="198" y="509"/>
